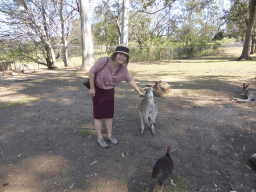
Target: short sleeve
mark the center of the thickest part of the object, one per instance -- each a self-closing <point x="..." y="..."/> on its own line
<point x="98" y="65"/>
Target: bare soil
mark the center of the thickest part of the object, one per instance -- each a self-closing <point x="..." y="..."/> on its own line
<point x="48" y="141"/>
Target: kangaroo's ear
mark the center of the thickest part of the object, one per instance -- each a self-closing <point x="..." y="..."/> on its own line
<point x="245" y="86"/>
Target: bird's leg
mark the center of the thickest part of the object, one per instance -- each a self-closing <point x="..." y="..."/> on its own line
<point x="162" y="188"/>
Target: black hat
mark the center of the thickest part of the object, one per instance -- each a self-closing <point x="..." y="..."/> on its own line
<point x="122" y="49"/>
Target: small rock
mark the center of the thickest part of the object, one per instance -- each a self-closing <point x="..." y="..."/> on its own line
<point x="93" y="162"/>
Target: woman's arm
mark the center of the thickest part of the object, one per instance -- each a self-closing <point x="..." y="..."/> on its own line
<point x="135" y="87"/>
<point x="92" y="88"/>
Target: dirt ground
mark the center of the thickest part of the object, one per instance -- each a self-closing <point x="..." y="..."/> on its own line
<point x="48" y="141"/>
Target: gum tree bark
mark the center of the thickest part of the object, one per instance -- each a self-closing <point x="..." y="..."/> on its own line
<point x="87" y="43"/>
<point x="245" y="53"/>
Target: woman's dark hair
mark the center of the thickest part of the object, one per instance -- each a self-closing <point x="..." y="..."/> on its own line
<point x="113" y="57"/>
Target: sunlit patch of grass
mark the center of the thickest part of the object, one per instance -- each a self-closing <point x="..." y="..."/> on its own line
<point x="84" y="132"/>
<point x="10" y="105"/>
<point x="39" y="80"/>
<point x="188" y="92"/>
<point x="24" y="100"/>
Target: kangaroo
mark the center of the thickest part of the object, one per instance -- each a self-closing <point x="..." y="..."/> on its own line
<point x="161" y="88"/>
<point x="251" y="95"/>
<point x="148" y="110"/>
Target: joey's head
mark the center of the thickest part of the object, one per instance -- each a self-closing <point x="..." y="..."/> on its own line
<point x="149" y="92"/>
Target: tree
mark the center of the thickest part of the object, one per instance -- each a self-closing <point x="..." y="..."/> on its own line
<point x="125" y="22"/>
<point x="111" y="10"/>
<point x="197" y="22"/>
<point x="60" y="6"/>
<point x="237" y="18"/>
<point x="34" y="23"/>
<point x="248" y="36"/>
<point x="87" y="43"/>
<point x="104" y="27"/>
<point x="43" y="22"/>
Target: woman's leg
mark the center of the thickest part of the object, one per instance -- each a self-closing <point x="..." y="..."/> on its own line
<point x="109" y="130"/>
<point x="98" y="127"/>
<point x="108" y="123"/>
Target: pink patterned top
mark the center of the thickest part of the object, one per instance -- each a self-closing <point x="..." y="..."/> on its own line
<point x="105" y="79"/>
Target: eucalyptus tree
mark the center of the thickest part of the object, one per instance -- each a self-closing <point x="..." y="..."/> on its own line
<point x="38" y="21"/>
<point x="197" y="22"/>
<point x="106" y="29"/>
<point x="108" y="14"/>
<point x="249" y="31"/>
<point x="67" y="11"/>
<point x="87" y="43"/>
<point x="238" y="19"/>
<point x="32" y="20"/>
<point x="140" y="28"/>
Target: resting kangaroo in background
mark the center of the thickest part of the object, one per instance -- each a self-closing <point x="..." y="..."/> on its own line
<point x="161" y="88"/>
<point x="148" y="110"/>
<point x="251" y="95"/>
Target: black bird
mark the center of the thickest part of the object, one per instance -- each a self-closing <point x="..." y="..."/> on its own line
<point x="162" y="170"/>
<point x="253" y="161"/>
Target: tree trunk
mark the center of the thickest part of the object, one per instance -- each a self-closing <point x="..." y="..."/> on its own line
<point x="65" y="52"/>
<point x="248" y="37"/>
<point x="50" y="56"/>
<point x="63" y="38"/>
<point x="252" y="46"/>
<point x="125" y="21"/>
<point x="87" y="43"/>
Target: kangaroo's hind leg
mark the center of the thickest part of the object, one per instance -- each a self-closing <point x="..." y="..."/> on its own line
<point x="151" y="125"/>
<point x="142" y="122"/>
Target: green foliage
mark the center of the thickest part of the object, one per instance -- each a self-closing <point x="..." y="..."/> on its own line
<point x="9" y="53"/>
<point x="236" y="18"/>
<point x="226" y="41"/>
<point x="139" y="29"/>
<point x="104" y="28"/>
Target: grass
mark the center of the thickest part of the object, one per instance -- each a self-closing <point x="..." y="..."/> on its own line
<point x="39" y="80"/>
<point x="9" y="105"/>
<point x="13" y="104"/>
<point x="209" y="70"/>
<point x="181" y="186"/>
<point x="84" y="132"/>
<point x="126" y="183"/>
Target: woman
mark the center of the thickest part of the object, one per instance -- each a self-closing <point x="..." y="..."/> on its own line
<point x="109" y="74"/>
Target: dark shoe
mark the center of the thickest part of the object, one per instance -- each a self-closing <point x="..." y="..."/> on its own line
<point x="113" y="140"/>
<point x="102" y="143"/>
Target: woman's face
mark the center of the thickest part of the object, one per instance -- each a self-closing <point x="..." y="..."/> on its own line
<point x="121" y="58"/>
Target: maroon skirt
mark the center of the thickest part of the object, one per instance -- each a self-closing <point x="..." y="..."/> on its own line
<point x="103" y="103"/>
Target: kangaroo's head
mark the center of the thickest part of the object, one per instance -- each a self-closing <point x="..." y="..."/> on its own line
<point x="245" y="90"/>
<point x="149" y="92"/>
